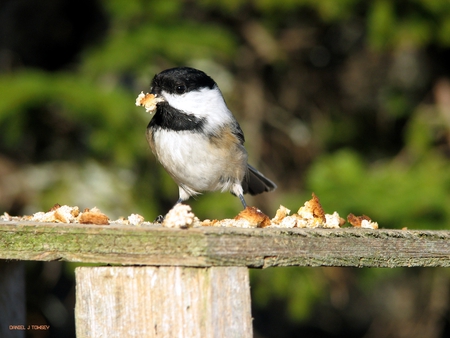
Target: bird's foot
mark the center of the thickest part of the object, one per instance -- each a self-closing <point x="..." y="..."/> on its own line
<point x="159" y="219"/>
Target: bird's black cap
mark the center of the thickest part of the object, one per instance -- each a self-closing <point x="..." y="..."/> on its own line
<point x="180" y="80"/>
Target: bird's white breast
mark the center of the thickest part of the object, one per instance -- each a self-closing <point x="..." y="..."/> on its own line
<point x="194" y="161"/>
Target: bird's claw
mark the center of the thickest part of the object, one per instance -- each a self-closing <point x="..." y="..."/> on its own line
<point x="159" y="219"/>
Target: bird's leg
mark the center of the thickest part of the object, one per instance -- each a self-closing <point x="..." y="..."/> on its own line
<point x="160" y="218"/>
<point x="241" y="197"/>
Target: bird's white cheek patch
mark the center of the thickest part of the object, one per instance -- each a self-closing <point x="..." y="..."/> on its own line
<point x="204" y="103"/>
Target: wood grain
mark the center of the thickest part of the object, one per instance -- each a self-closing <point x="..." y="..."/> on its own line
<point x="212" y="246"/>
<point x="163" y="302"/>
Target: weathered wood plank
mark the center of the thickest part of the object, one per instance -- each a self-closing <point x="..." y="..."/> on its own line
<point x="211" y="246"/>
<point x="163" y="302"/>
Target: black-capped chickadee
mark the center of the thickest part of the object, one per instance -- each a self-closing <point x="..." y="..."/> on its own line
<point x="197" y="139"/>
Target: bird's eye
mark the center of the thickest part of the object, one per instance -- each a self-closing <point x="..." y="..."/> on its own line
<point x="180" y="89"/>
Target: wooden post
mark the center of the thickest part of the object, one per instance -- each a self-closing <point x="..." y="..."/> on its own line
<point x="163" y="302"/>
<point x="12" y="299"/>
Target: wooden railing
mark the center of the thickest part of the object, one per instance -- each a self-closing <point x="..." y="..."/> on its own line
<point x="194" y="282"/>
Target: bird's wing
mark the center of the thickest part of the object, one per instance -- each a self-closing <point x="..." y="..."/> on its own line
<point x="237" y="131"/>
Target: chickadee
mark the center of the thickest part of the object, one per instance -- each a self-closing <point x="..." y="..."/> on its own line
<point x="196" y="138"/>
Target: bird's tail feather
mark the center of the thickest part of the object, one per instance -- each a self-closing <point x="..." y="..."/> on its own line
<point x="256" y="183"/>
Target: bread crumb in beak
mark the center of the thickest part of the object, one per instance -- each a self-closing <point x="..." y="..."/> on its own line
<point x="148" y="101"/>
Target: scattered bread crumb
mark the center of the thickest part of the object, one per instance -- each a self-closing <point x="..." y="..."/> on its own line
<point x="67" y="214"/>
<point x="208" y="223"/>
<point x="135" y="219"/>
<point x="6" y="217"/>
<point x="333" y="221"/>
<point x="180" y="216"/>
<point x="255" y="218"/>
<point x="281" y="214"/>
<point x="93" y="216"/>
<point x="55" y="207"/>
<point x="310" y="215"/>
<point x="362" y="222"/>
<point x="368" y="224"/>
<point x="57" y="214"/>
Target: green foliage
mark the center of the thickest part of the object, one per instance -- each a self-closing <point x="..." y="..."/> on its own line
<point x="395" y="194"/>
<point x="300" y="287"/>
<point x="135" y="50"/>
<point x="381" y="23"/>
<point x="78" y="100"/>
<point x="407" y="24"/>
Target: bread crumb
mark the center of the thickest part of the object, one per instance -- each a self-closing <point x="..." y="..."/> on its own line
<point x="333" y="221"/>
<point x="288" y="222"/>
<point x="57" y="214"/>
<point x="369" y="224"/>
<point x="362" y="222"/>
<point x="56" y="206"/>
<point x="148" y="101"/>
<point x="209" y="223"/>
<point x="255" y="217"/>
<point x="180" y="216"/>
<point x="93" y="216"/>
<point x="135" y="219"/>
<point x="66" y="214"/>
<point x="6" y="217"/>
<point x="311" y="214"/>
<point x="282" y="212"/>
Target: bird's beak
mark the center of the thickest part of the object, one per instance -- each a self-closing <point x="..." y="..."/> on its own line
<point x="159" y="98"/>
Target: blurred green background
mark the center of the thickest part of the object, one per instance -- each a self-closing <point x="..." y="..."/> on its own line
<point x="348" y="99"/>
